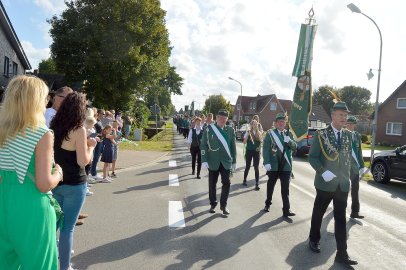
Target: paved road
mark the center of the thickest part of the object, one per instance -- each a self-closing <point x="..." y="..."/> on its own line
<point x="128" y="227"/>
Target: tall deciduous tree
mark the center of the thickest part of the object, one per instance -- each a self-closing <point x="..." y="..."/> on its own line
<point x="324" y="97"/>
<point x="357" y="99"/>
<point x="216" y="102"/>
<point x="47" y="66"/>
<point x="118" y="48"/>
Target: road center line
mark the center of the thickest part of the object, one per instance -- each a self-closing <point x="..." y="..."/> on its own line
<point x="173" y="180"/>
<point x="172" y="163"/>
<point x="176" y="217"/>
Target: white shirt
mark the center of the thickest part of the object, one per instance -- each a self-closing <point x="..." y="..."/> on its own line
<point x="336" y="131"/>
<point x="49" y="115"/>
<point x="189" y="137"/>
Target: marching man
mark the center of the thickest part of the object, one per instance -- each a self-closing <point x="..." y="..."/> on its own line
<point x="219" y="157"/>
<point x="277" y="152"/>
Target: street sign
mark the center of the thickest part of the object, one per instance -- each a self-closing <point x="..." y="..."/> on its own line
<point x="155" y="109"/>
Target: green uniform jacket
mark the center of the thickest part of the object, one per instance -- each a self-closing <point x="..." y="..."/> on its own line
<point x="324" y="156"/>
<point x="213" y="151"/>
<point x="356" y="145"/>
<point x="273" y="155"/>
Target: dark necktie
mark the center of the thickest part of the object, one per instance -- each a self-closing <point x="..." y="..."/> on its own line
<point x="339" y="139"/>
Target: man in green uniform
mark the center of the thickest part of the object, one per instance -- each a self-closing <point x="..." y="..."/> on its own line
<point x="277" y="151"/>
<point x="330" y="157"/>
<point x="357" y="166"/>
<point x="219" y="157"/>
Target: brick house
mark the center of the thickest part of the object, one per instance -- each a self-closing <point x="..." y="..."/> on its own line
<point x="13" y="60"/>
<point x="391" y="128"/>
<point x="269" y="105"/>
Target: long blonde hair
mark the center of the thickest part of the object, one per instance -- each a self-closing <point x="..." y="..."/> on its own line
<point x="23" y="106"/>
<point x="258" y="133"/>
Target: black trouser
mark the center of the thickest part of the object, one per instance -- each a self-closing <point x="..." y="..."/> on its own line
<point x="284" y="176"/>
<point x="354" y="192"/>
<point x="225" y="188"/>
<point x="185" y="132"/>
<point x="249" y="156"/>
<point x="195" y="151"/>
<point x="180" y="130"/>
<point x="323" y="199"/>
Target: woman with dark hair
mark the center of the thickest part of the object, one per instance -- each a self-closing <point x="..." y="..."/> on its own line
<point x="72" y="151"/>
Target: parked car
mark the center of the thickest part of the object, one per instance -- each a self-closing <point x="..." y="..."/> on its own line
<point x="303" y="146"/>
<point x="239" y="133"/>
<point x="387" y="165"/>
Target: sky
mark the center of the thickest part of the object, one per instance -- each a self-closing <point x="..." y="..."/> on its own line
<point x="255" y="43"/>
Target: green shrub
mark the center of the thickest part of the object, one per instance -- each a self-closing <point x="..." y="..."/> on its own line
<point x="364" y="138"/>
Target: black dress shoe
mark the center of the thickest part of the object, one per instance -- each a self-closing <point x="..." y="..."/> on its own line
<point x="198" y="177"/>
<point x="212" y="209"/>
<point x="244" y="183"/>
<point x="193" y="172"/>
<point x="288" y="214"/>
<point x="266" y="208"/>
<point x="257" y="187"/>
<point x="225" y="210"/>
<point x="314" y="246"/>
<point x="345" y="260"/>
<point x="356" y="215"/>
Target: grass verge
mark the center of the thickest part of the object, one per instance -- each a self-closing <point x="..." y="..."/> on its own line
<point x="163" y="141"/>
<point x="378" y="147"/>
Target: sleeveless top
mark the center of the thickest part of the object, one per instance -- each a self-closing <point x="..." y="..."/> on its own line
<point x="196" y="138"/>
<point x="73" y="174"/>
<point x="17" y="152"/>
<point x="253" y="146"/>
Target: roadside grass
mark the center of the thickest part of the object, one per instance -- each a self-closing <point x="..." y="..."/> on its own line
<point x="163" y="141"/>
<point x="378" y="147"/>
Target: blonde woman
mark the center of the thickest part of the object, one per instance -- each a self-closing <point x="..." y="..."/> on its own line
<point x="256" y="118"/>
<point x="27" y="218"/>
<point x="252" y="140"/>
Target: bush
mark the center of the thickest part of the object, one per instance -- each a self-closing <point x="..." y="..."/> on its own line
<point x="364" y="138"/>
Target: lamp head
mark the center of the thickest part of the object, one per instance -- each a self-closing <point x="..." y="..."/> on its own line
<point x="370" y="74"/>
<point x="230" y="78"/>
<point x="354" y="8"/>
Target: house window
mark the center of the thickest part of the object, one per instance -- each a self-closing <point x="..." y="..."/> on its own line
<point x="238" y="107"/>
<point x="6" y="66"/>
<point x="254" y="105"/>
<point x="15" y="68"/>
<point x="394" y="128"/>
<point x="401" y="104"/>
<point x="247" y="118"/>
<point x="273" y="106"/>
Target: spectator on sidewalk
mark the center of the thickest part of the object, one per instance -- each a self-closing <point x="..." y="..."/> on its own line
<point x="60" y="95"/>
<point x="115" y="147"/>
<point x="108" y="136"/>
<point x="99" y="147"/>
<point x="128" y="121"/>
<point x="27" y="218"/>
<point x="72" y="151"/>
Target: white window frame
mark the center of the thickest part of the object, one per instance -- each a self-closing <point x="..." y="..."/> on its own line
<point x="270" y="106"/>
<point x="254" y="105"/>
<point x="397" y="104"/>
<point x="389" y="125"/>
<point x="247" y="118"/>
<point x="238" y="107"/>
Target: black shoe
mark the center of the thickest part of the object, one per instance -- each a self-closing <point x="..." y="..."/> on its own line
<point x="356" y="215"/>
<point x="212" y="209"/>
<point x="244" y="183"/>
<point x="314" y="246"/>
<point x="345" y="260"/>
<point x="266" y="208"/>
<point x="193" y="172"/>
<point x="225" y="210"/>
<point x="288" y="214"/>
<point x="198" y="177"/>
<point x="257" y="187"/>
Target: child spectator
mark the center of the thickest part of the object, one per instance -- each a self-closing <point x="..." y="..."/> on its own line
<point x="108" y="135"/>
<point x="115" y="147"/>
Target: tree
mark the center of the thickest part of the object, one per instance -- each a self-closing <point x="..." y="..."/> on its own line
<point x="47" y="66"/>
<point x="216" y="102"/>
<point x="323" y="96"/>
<point x="357" y="99"/>
<point x="118" y="48"/>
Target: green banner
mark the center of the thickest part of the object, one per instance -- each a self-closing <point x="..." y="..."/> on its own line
<point x="301" y="107"/>
<point x="304" y="54"/>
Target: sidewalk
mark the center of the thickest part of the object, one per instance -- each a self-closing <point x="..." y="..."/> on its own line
<point x="129" y="158"/>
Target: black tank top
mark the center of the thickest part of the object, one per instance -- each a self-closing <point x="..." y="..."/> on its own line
<point x="73" y="174"/>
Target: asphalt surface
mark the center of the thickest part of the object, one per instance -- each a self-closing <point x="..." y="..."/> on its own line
<point x="128" y="223"/>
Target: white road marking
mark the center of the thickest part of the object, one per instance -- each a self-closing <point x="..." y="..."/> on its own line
<point x="176" y="217"/>
<point x="172" y="163"/>
<point x="173" y="180"/>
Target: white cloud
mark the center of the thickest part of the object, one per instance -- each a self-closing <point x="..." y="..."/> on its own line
<point x="35" y="55"/>
<point x="51" y="6"/>
<point x="255" y="42"/>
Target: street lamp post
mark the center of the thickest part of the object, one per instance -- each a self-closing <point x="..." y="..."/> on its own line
<point x="239" y="111"/>
<point x="355" y="9"/>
